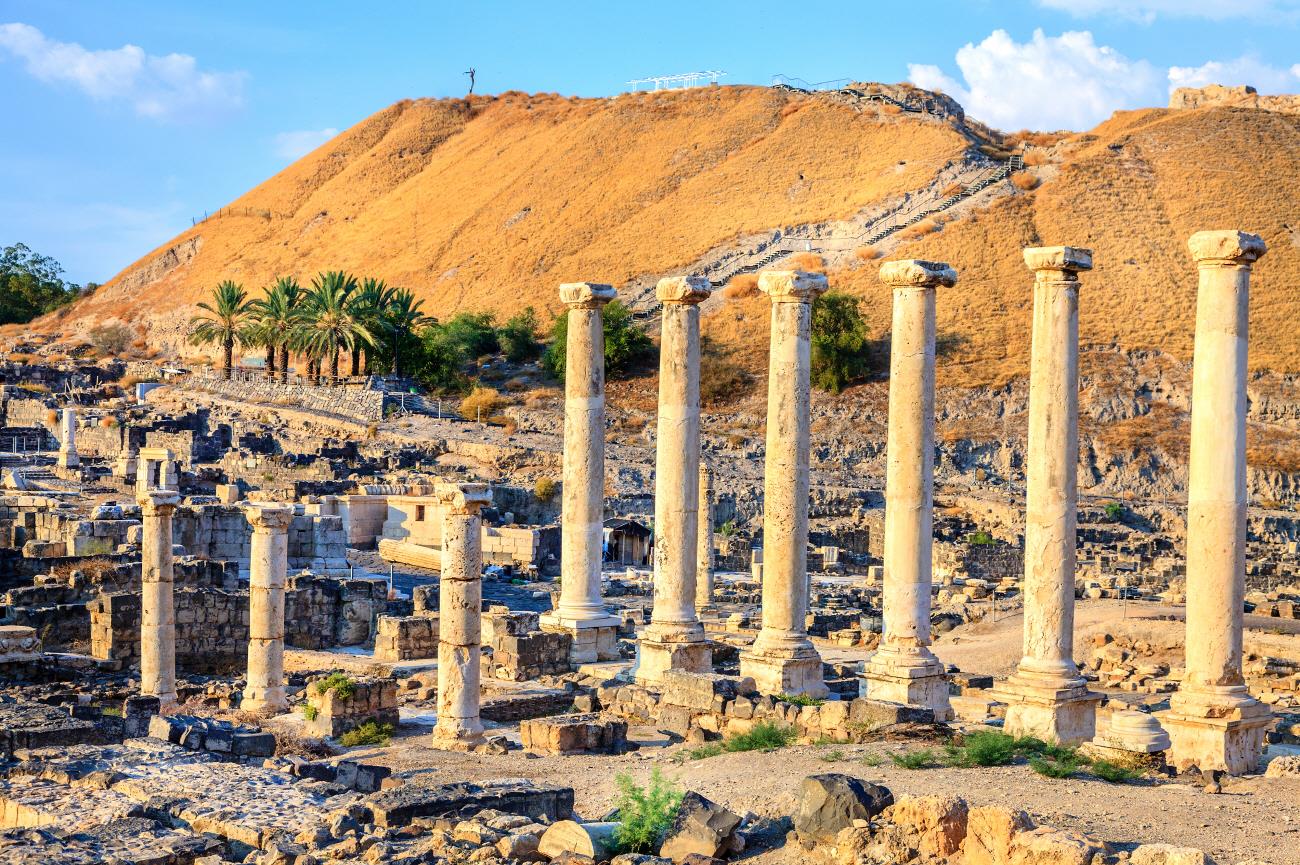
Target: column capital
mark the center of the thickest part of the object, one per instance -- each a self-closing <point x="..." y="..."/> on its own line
<point x="791" y="286"/>
<point x="464" y="499"/>
<point x="688" y="290"/>
<point x="1058" y="262"/>
<point x="158" y="502"/>
<point x="1219" y="248"/>
<point x="586" y="295"/>
<point x="268" y="517"/>
<point x="915" y="273"/>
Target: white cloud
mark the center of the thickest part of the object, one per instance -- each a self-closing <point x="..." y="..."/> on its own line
<point x="1148" y="10"/>
<point x="1247" y="69"/>
<point x="1050" y="82"/>
<point x="166" y="87"/>
<point x="297" y="144"/>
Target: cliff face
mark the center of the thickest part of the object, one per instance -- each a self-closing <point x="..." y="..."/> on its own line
<point x="1242" y="96"/>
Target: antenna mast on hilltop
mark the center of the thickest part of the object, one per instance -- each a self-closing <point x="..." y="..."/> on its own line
<point x="680" y="81"/>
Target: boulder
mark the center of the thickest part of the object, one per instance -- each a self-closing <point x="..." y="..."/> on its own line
<point x="831" y="802"/>
<point x="1167" y="854"/>
<point x="702" y="827"/>
<point x="938" y="822"/>
<point x="989" y="833"/>
<point x="1045" y="846"/>
<point x="594" y="840"/>
<point x="1284" y="767"/>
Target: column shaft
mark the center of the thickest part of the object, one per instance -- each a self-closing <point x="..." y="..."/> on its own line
<point x="704" y="542"/>
<point x="460" y="594"/>
<point x="157" y="616"/>
<point x="269" y="561"/>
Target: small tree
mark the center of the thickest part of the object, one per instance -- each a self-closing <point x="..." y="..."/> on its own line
<point x="475" y="332"/>
<point x="626" y="345"/>
<point x="841" y="353"/>
<point x="111" y="338"/>
<point x="645" y="814"/>
<point x="518" y="336"/>
<point x="439" y="362"/>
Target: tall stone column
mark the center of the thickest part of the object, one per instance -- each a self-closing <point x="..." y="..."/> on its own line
<point x="68" y="458"/>
<point x="905" y="670"/>
<point x="782" y="659"/>
<point x="460" y="599"/>
<point x="675" y="638"/>
<point x="1214" y="723"/>
<point x="581" y="611"/>
<point x="269" y="562"/>
<point x="704" y="542"/>
<point x="1046" y="697"/>
<point x="157" y="617"/>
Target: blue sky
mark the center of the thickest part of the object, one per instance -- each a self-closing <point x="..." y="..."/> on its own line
<point x="125" y="119"/>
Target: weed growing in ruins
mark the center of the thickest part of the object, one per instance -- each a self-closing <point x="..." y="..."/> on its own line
<point x="309" y="712"/>
<point x="823" y="740"/>
<point x="800" y="699"/>
<point x="871" y="761"/>
<point x="368" y="733"/>
<point x="703" y="752"/>
<point x="923" y="759"/>
<point x="1114" y="510"/>
<point x="979" y="538"/>
<point x="1062" y="764"/>
<point x="645" y="813"/>
<point x="982" y="748"/>
<point x="545" y="489"/>
<point x="1112" y="773"/>
<point x="339" y="683"/>
<point x="834" y="756"/>
<point x="763" y="736"/>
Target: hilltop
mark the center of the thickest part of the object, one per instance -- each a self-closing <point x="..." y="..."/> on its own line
<point x="489" y="203"/>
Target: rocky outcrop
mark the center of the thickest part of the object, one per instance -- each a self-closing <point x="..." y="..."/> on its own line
<point x="1241" y="96"/>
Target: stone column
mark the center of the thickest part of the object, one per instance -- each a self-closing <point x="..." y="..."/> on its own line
<point x="269" y="561"/>
<point x="904" y="670"/>
<point x="1214" y="723"/>
<point x="704" y="543"/>
<point x="782" y="659"/>
<point x="68" y="458"/>
<point x="157" y="618"/>
<point x="460" y="600"/>
<point x="581" y="611"/>
<point x="675" y="638"/>
<point x="1046" y="697"/>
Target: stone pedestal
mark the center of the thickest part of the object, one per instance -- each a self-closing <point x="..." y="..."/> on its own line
<point x="581" y="611"/>
<point x="157" y="616"/>
<point x="1046" y="697"/>
<point x="460" y="589"/>
<point x="1213" y="721"/>
<point x="68" y="458"/>
<point x="905" y="670"/>
<point x="782" y="659"/>
<point x="675" y="638"/>
<point x="704" y="544"/>
<point x="269" y="560"/>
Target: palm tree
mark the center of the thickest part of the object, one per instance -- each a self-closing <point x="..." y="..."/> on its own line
<point x="329" y="323"/>
<point x="368" y="305"/>
<point x="226" y="321"/>
<point x="278" y="314"/>
<point x="402" y="316"/>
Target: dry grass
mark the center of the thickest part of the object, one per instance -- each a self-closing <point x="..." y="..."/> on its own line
<point x="953" y="189"/>
<point x="481" y="404"/>
<point x="741" y="285"/>
<point x="866" y="253"/>
<point x="542" y="397"/>
<point x="809" y="261"/>
<point x="1024" y="180"/>
<point x="108" y="422"/>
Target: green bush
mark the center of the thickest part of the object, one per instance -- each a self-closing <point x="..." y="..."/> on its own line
<point x="474" y="332"/>
<point x="979" y="538"/>
<point x="645" y="813"/>
<point x="309" y="712"/>
<point x="1112" y="773"/>
<point x="982" y="748"/>
<point x="923" y="759"/>
<point x="764" y="736"/>
<point x="833" y="756"/>
<point x="1060" y="765"/>
<point x="703" y="752"/>
<point x="841" y="352"/>
<point x="518" y="337"/>
<point x="545" y="489"/>
<point x="1114" y="510"/>
<point x="339" y="683"/>
<point x="438" y="363"/>
<point x="369" y="733"/>
<point x="800" y="699"/>
<point x="626" y="344"/>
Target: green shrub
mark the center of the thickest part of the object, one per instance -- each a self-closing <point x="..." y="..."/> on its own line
<point x="1060" y="765"/>
<point x="841" y="353"/>
<point x="545" y="489"/>
<point x="980" y="538"/>
<point x="923" y="759"/>
<point x="309" y="712"/>
<point x="645" y="813"/>
<point x="518" y="336"/>
<point x="474" y="332"/>
<point x="339" y="683"/>
<point x="1112" y="773"/>
<point x="872" y="760"/>
<point x="626" y="344"/>
<point x="1114" y="510"/>
<point x="800" y="699"/>
<point x="833" y="756"/>
<point x="764" y="736"/>
<point x="703" y="752"/>
<point x="982" y="748"/>
<point x="369" y="733"/>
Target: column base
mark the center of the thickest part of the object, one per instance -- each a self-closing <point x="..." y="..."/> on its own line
<point x="1064" y="714"/>
<point x="593" y="639"/>
<point x="780" y="670"/>
<point x="1216" y="735"/>
<point x="911" y="680"/>
<point x="655" y="657"/>
<point x="270" y="700"/>
<point x="458" y="734"/>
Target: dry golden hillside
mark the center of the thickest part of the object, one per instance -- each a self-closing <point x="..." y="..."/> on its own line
<point x="491" y="203"/>
<point x="1133" y="191"/>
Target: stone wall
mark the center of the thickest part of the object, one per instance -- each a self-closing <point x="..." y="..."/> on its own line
<point x="349" y="402"/>
<point x="404" y="638"/>
<point x="335" y="710"/>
